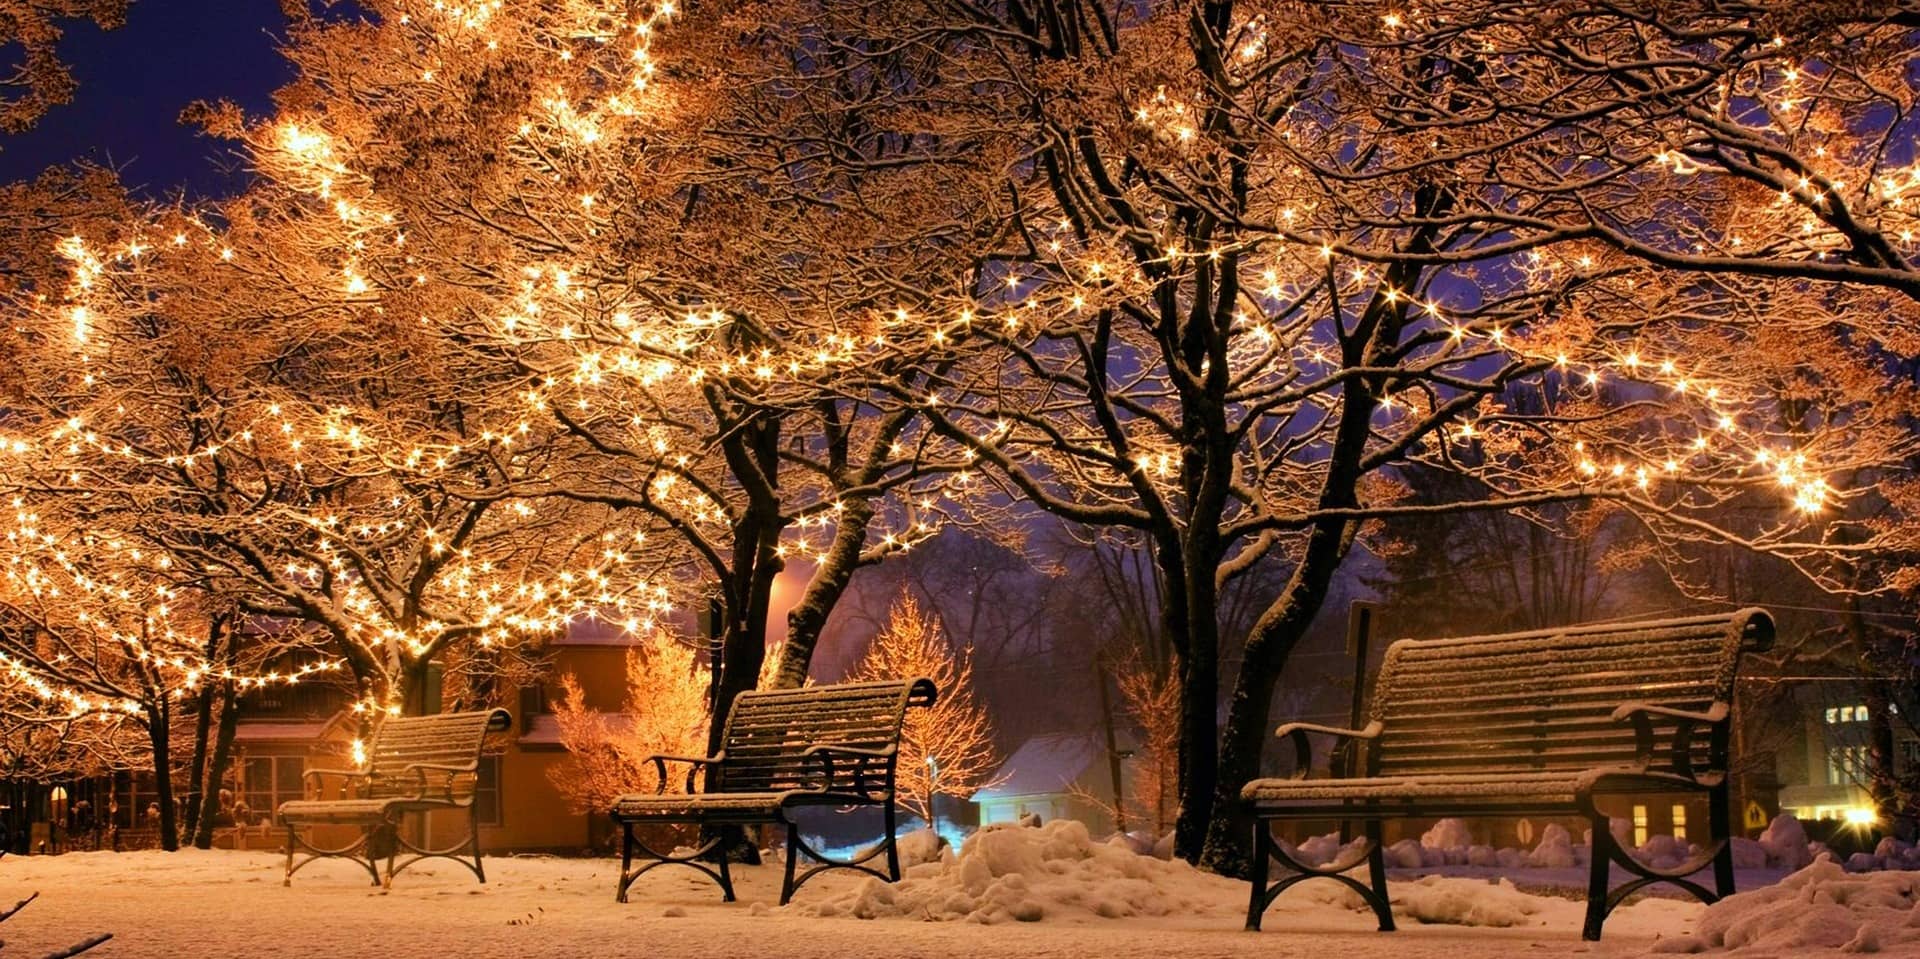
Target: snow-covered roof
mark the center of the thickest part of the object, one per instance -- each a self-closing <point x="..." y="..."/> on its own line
<point x="1044" y="764"/>
<point x="258" y="731"/>
<point x="544" y="729"/>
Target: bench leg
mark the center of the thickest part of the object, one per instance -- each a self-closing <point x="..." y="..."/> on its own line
<point x="1257" y="903"/>
<point x="1373" y="893"/>
<point x="1602" y="855"/>
<point x="793" y="860"/>
<point x="626" y="862"/>
<point x="893" y="840"/>
<point x="1377" y="874"/>
<point x="1720" y="830"/>
<point x="629" y="844"/>
<point x="473" y="836"/>
<point x="288" y="879"/>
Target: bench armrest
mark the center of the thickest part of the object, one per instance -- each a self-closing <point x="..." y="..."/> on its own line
<point x="309" y="779"/>
<point x="826" y="754"/>
<point x="1303" y="748"/>
<point x="1680" y="749"/>
<point x="660" y="761"/>
<point x="419" y="772"/>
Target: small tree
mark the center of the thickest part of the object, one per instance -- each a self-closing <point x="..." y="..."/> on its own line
<point x="665" y="712"/>
<point x="1150" y="695"/>
<point x="946" y="749"/>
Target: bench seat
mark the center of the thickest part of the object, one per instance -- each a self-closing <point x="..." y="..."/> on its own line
<point x="1530" y="792"/>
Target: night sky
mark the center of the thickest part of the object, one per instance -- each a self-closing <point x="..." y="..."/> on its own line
<point x="133" y="82"/>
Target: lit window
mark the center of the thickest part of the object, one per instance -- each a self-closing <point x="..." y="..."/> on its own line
<point x="1639" y="825"/>
<point x="1833" y="715"/>
<point x="1679" y="821"/>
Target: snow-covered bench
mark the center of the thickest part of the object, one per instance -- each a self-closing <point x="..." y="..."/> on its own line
<point x="1542" y="723"/>
<point x="415" y="764"/>
<point x="782" y="749"/>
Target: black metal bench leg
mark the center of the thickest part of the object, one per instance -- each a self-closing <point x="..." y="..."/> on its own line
<point x="473" y="836"/>
<point x="726" y="878"/>
<point x="793" y="860"/>
<point x="1377" y="874"/>
<point x="1602" y="855"/>
<point x="893" y="840"/>
<point x="626" y="862"/>
<point x="1256" y="904"/>
<point x="288" y="879"/>
<point x="390" y="832"/>
<point x="1720" y="825"/>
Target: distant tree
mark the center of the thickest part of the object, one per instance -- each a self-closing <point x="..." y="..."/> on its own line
<point x="39" y="79"/>
<point x="1150" y="697"/>
<point x="665" y="712"/>
<point x="946" y="750"/>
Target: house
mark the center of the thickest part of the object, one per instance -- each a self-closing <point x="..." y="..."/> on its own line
<point x="285" y="731"/>
<point x="1825" y="765"/>
<point x="1054" y="776"/>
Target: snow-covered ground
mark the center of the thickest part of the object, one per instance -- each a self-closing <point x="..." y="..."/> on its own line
<point x="1049" y="892"/>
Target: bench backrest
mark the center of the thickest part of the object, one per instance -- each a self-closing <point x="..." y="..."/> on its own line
<point x="449" y="739"/>
<point x="769" y="731"/>
<point x="1543" y="701"/>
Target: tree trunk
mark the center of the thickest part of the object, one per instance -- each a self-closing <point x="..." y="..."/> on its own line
<point x="217" y="770"/>
<point x="808" y="618"/>
<point x="196" y="770"/>
<point x="1199" y="732"/>
<point x="159" y="729"/>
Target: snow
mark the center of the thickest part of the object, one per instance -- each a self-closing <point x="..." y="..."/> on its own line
<point x="1821" y="907"/>
<point x="1785" y="842"/>
<point x="1052" y="891"/>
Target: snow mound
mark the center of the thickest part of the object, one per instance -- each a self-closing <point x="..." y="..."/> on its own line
<point x="921" y="846"/>
<point x="1463" y="902"/>
<point x="1786" y="842"/>
<point x="1010" y="873"/>
<point x="1555" y="850"/>
<point x="1027" y="873"/>
<point x="1450" y="838"/>
<point x="1821" y="906"/>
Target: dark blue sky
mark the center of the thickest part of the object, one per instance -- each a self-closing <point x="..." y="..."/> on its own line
<point x="134" y="82"/>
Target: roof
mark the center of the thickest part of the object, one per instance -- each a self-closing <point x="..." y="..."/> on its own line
<point x="1044" y="764"/>
<point x="544" y="729"/>
<point x="256" y="731"/>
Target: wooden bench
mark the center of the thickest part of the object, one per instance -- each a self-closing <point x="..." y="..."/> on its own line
<point x="782" y="749"/>
<point x="1542" y="723"/>
<point x="415" y="764"/>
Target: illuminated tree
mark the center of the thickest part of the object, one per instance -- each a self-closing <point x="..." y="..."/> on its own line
<point x="946" y="749"/>
<point x="1264" y="254"/>
<point x="664" y="713"/>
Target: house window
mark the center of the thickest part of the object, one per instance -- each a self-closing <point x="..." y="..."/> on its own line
<point x="1846" y="714"/>
<point x="1639" y="825"/>
<point x="1679" y="821"/>
<point x="1846" y="765"/>
<point x="486" y="791"/>
<point x="269" y="781"/>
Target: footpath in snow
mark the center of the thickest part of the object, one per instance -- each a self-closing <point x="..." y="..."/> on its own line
<point x="1007" y="891"/>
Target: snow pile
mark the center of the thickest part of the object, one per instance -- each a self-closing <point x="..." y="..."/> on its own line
<point x="1821" y="906"/>
<point x="921" y="846"/>
<point x="1785" y="842"/>
<point x="1555" y="850"/>
<point x="1029" y="873"/>
<point x="1463" y="902"/>
<point x="1057" y="871"/>
<point x="1450" y="840"/>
